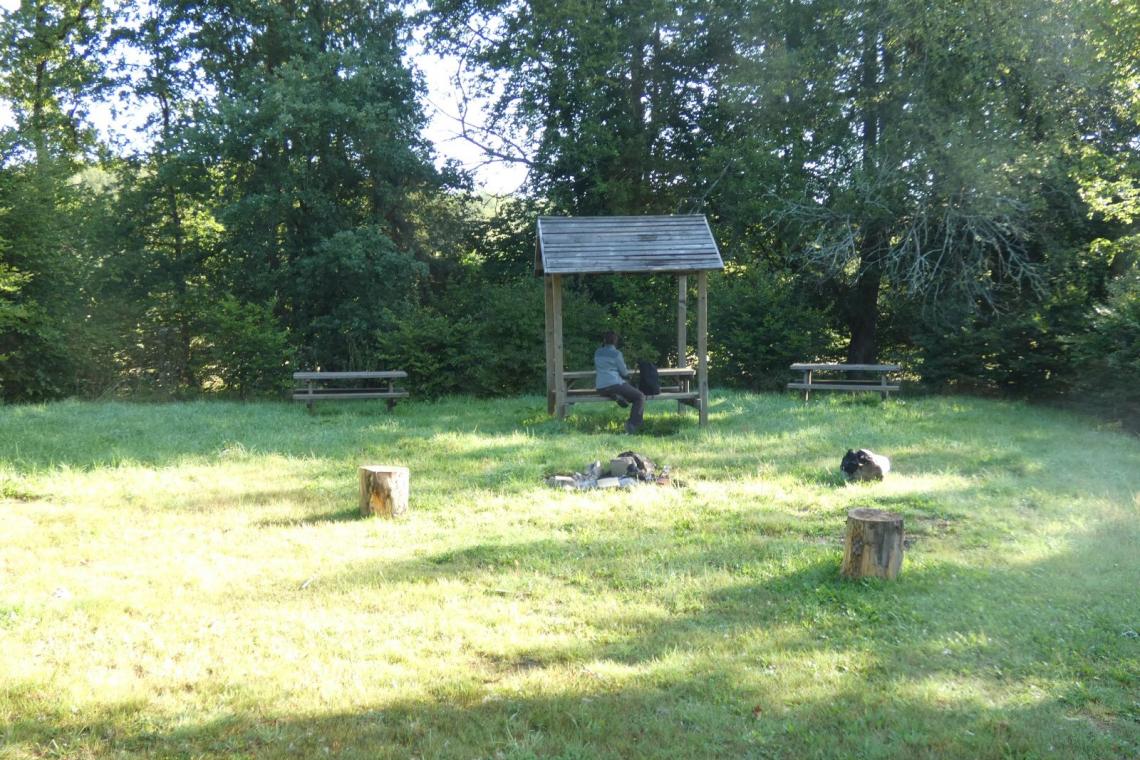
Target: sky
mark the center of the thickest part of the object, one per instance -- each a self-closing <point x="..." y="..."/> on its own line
<point x="441" y="105"/>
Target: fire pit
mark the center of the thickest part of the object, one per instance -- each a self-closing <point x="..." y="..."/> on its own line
<point x="625" y="470"/>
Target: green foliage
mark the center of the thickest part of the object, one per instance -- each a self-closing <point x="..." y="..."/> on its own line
<point x="244" y="351"/>
<point x="612" y="110"/>
<point x="1107" y="357"/>
<point x="954" y="184"/>
<point x="431" y="347"/>
<point x="487" y="339"/>
<point x="346" y="289"/>
<point x="761" y="322"/>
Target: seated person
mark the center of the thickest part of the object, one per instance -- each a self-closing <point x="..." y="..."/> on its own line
<point x="612" y="380"/>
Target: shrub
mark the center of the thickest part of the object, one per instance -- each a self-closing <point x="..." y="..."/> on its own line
<point x="244" y="350"/>
<point x="1109" y="353"/>
<point x="759" y="323"/>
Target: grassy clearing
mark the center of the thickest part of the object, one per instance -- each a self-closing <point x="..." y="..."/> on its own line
<point x="191" y="580"/>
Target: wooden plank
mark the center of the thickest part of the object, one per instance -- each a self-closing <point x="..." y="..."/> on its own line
<point x="612" y="226"/>
<point x="647" y="256"/>
<point x="682" y="317"/>
<point x="850" y="367"/>
<point x="694" y="229"/>
<point x="578" y="243"/>
<point x="703" y="346"/>
<point x="816" y="385"/>
<point x="586" y="236"/>
<point x="584" y="374"/>
<point x="394" y="375"/>
<point x="548" y="290"/>
<point x="557" y="222"/>
<point x="592" y="391"/>
<point x="319" y="395"/>
<point x="344" y="391"/>
<point x="558" y="350"/>
<point x="589" y="398"/>
<point x="619" y="267"/>
<point x="644" y="254"/>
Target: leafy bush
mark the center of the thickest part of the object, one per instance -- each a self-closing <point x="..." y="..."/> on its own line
<point x="1109" y="353"/>
<point x="244" y="350"/>
<point x="431" y="347"/>
<point x="759" y="323"/>
<point x="485" y="340"/>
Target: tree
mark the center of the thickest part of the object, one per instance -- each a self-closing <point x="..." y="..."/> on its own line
<point x="934" y="132"/>
<point x="611" y="104"/>
<point x="313" y="136"/>
<point x="51" y="67"/>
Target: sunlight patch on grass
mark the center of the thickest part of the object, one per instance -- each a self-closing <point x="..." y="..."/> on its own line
<point x="195" y="580"/>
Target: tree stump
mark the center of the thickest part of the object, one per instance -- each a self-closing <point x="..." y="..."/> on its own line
<point x="874" y="544"/>
<point x="384" y="490"/>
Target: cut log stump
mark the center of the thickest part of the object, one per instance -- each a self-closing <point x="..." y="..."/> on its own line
<point x="874" y="544"/>
<point x="384" y="490"/>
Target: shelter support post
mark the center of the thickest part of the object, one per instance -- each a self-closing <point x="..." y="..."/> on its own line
<point x="548" y="287"/>
<point x="557" y="347"/>
<point x="703" y="345"/>
<point x="682" y="319"/>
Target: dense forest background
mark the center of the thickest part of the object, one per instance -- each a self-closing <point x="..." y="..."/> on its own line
<point x="953" y="185"/>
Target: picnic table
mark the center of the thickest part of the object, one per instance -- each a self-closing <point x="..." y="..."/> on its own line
<point x="855" y="377"/>
<point x="339" y="386"/>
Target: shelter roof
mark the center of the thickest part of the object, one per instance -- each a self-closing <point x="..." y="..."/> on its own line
<point x="615" y="244"/>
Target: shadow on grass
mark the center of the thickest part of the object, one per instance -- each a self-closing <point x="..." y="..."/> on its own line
<point x="677" y="717"/>
<point x="658" y="426"/>
<point x="348" y="514"/>
<point x="943" y="436"/>
<point x="940" y="663"/>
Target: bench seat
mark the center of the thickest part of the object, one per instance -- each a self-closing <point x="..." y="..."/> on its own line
<point x="581" y="395"/>
<point x="837" y="385"/>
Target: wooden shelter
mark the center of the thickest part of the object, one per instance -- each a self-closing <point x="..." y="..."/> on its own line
<point x="676" y="245"/>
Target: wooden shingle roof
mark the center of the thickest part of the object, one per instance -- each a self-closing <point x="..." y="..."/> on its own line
<point x="613" y="244"/>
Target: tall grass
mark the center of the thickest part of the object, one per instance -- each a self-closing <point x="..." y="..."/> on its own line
<point x="193" y="580"/>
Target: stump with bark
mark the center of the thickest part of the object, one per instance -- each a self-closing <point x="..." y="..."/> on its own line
<point x="873" y="547"/>
<point x="384" y="490"/>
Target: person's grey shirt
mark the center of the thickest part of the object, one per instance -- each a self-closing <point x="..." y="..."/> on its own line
<point x="610" y="367"/>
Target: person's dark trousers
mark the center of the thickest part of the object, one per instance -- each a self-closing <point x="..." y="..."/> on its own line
<point x="636" y="399"/>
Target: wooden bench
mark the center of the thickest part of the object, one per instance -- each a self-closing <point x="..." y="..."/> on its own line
<point x="876" y="380"/>
<point x="328" y="386"/>
<point x="679" y="390"/>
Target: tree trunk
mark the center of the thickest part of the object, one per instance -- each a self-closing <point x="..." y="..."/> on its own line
<point x="874" y="544"/>
<point x="863" y="317"/>
<point x="384" y="490"/>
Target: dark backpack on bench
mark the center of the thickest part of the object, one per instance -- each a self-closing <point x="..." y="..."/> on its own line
<point x="648" y="381"/>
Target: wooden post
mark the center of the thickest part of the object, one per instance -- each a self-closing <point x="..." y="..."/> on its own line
<point x="703" y="345"/>
<point x="873" y="547"/>
<point x="682" y="327"/>
<point x="548" y="289"/>
<point x="557" y="348"/>
<point x="384" y="490"/>
<point x="682" y="320"/>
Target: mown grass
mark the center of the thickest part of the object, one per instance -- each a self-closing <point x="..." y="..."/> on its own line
<point x="192" y="580"/>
